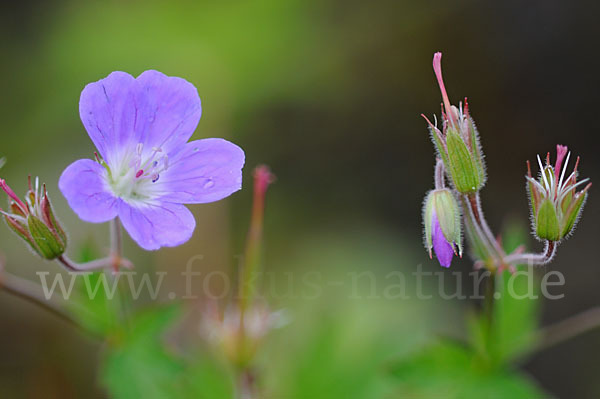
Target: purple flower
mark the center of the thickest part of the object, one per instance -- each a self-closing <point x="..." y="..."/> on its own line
<point x="148" y="169"/>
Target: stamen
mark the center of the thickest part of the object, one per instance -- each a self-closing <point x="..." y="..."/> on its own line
<point x="562" y="175"/>
<point x="139" y="173"/>
<point x="155" y="177"/>
<point x="564" y="193"/>
<point x="535" y="183"/>
<point x="543" y="173"/>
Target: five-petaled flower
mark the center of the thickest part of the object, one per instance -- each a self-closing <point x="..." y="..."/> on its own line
<point x="146" y="169"/>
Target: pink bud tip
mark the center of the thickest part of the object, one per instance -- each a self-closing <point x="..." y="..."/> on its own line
<point x="437" y="68"/>
<point x="13" y="196"/>
<point x="262" y="178"/>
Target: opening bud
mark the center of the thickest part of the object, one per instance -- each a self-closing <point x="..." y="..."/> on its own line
<point x="555" y="203"/>
<point x="33" y="220"/>
<point x="441" y="219"/>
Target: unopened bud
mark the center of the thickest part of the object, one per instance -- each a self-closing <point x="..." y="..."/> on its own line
<point x="441" y="219"/>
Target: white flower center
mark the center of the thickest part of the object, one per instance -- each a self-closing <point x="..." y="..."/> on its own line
<point x="133" y="178"/>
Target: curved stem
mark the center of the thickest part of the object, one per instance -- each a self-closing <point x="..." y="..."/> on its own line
<point x="533" y="259"/>
<point x="29" y="292"/>
<point x="480" y="229"/>
<point x="474" y="202"/>
<point x="97" y="264"/>
<point x="114" y="260"/>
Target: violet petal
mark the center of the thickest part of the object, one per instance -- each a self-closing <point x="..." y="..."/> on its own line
<point x="84" y="187"/>
<point x="203" y="171"/>
<point x="443" y="249"/>
<point x="153" y="226"/>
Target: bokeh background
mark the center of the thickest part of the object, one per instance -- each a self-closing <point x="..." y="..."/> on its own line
<point x="328" y="93"/>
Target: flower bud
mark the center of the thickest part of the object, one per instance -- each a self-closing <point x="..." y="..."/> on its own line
<point x="554" y="200"/>
<point x="239" y="339"/>
<point x="33" y="220"/>
<point x="458" y="141"/>
<point x="441" y="218"/>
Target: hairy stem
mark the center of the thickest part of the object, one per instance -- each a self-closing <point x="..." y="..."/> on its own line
<point x="97" y="264"/>
<point x="483" y="241"/>
<point x="439" y="175"/>
<point x="533" y="259"/>
<point x="114" y="260"/>
<point x="474" y="203"/>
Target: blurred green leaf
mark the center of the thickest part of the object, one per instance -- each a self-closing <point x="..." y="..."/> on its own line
<point x="137" y="365"/>
<point x="208" y="378"/>
<point x="2" y="162"/>
<point x="451" y="371"/>
<point x="92" y="304"/>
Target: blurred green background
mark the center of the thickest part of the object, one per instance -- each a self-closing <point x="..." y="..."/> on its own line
<point x="328" y="93"/>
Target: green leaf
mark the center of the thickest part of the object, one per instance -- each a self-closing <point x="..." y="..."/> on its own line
<point x="208" y="378"/>
<point x="138" y="366"/>
<point x="451" y="371"/>
<point x="515" y="320"/>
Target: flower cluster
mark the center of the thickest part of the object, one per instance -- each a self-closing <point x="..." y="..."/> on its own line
<point x="556" y="204"/>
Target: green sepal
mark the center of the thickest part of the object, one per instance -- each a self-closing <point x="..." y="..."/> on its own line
<point x="48" y="214"/>
<point x="448" y="214"/>
<point x="532" y="193"/>
<point x="476" y="149"/>
<point x="462" y="166"/>
<point x="547" y="226"/>
<point x="22" y="231"/>
<point x="427" y="215"/>
<point x="438" y="142"/>
<point x="48" y="244"/>
<point x="570" y="217"/>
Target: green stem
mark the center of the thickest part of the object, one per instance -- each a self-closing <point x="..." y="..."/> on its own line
<point x="488" y="306"/>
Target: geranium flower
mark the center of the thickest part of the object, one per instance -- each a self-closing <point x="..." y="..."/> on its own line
<point x="146" y="169"/>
